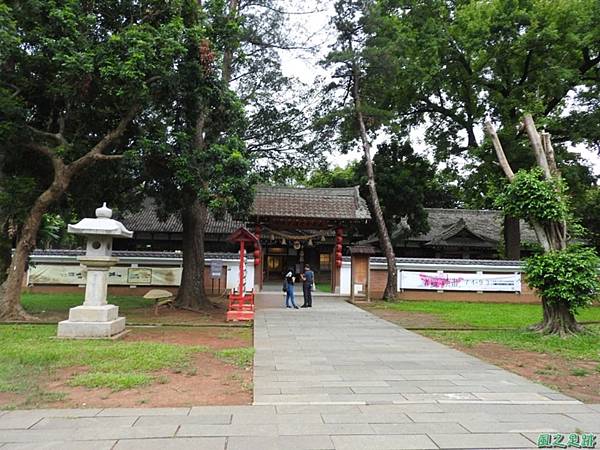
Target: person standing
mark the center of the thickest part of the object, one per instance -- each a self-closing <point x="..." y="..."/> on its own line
<point x="308" y="279"/>
<point x="289" y="289"/>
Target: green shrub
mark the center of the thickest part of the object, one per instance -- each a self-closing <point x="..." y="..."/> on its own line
<point x="569" y="275"/>
<point x="531" y="196"/>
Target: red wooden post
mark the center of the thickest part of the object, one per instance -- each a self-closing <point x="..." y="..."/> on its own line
<point x="242" y="256"/>
<point x="241" y="305"/>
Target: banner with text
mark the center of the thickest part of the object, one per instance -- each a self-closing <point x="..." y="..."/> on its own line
<point x="460" y="281"/>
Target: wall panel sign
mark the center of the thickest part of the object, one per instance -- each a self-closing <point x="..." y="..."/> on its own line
<point x="216" y="267"/>
<point x="133" y="276"/>
<point x="139" y="275"/>
<point x="461" y="281"/>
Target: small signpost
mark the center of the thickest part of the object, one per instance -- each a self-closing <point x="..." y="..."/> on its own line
<point x="216" y="267"/>
<point x="241" y="304"/>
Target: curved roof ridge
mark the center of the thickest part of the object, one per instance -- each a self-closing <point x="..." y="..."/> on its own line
<point x="465" y="210"/>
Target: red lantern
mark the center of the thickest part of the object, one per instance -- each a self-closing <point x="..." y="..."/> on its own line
<point x="339" y="239"/>
<point x="256" y="257"/>
<point x="338" y="263"/>
<point x="338" y="248"/>
<point x="339" y="231"/>
<point x="338" y="255"/>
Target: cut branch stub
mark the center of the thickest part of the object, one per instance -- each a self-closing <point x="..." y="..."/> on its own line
<point x="489" y="128"/>
<point x="536" y="144"/>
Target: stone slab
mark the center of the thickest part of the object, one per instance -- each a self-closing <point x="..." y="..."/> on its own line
<point x="144" y="412"/>
<point x="206" y="419"/>
<point x="280" y="443"/>
<point x="62" y="445"/>
<point x="90" y="330"/>
<point x="382" y="442"/>
<point x="418" y="428"/>
<point x="55" y="423"/>
<point x="328" y="429"/>
<point x="84" y="313"/>
<point x="370" y="418"/>
<point x="228" y="430"/>
<point x="482" y="440"/>
<point x="203" y="443"/>
<point x="88" y="434"/>
<point x="277" y="419"/>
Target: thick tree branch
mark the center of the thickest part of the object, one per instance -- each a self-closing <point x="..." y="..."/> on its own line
<point x="528" y="59"/>
<point x="56" y="137"/>
<point x="102" y="157"/>
<point x="57" y="163"/>
<point x="549" y="152"/>
<point x="504" y="164"/>
<point x="536" y="144"/>
<point x="105" y="142"/>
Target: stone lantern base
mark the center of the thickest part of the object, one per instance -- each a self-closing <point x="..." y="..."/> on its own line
<point x="88" y="322"/>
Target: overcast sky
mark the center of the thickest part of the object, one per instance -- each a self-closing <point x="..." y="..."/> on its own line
<point x="314" y="28"/>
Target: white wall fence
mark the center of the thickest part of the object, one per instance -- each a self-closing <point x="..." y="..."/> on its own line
<point x="444" y="275"/>
<point x="134" y="269"/>
<point x="164" y="269"/>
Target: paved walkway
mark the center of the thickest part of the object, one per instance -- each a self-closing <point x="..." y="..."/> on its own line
<point x="330" y="377"/>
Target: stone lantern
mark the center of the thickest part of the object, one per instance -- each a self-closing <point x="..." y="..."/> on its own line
<point x="95" y="318"/>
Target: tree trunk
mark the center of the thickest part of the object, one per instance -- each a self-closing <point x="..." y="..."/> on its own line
<point x="512" y="238"/>
<point x="391" y="287"/>
<point x="191" y="294"/>
<point x="5" y="251"/>
<point x="558" y="319"/>
<point x="228" y="52"/>
<point x="10" y="304"/>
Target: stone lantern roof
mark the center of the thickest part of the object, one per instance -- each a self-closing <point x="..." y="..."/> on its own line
<point x="102" y="225"/>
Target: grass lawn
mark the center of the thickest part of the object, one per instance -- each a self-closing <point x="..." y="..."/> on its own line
<point x="485" y="315"/>
<point x="59" y="303"/>
<point x="55" y="307"/>
<point x="585" y="346"/>
<point x="31" y="352"/>
<point x="31" y="356"/>
<point x="515" y="317"/>
<point x="323" y="287"/>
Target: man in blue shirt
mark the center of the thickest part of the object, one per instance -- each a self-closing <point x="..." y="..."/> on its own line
<point x="308" y="278"/>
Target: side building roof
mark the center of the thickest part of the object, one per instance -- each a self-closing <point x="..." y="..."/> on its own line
<point x="147" y="220"/>
<point x="485" y="224"/>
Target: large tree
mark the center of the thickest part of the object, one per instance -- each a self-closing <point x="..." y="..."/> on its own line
<point x="194" y="159"/>
<point x="80" y="77"/>
<point x="241" y="55"/>
<point x="445" y="66"/>
<point x="349" y="112"/>
<point x="565" y="276"/>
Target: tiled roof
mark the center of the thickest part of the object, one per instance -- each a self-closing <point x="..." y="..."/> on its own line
<point x="362" y="249"/>
<point x="147" y="220"/>
<point x="131" y="254"/>
<point x="444" y="224"/>
<point x="451" y="262"/>
<point x="487" y="224"/>
<point x="310" y="203"/>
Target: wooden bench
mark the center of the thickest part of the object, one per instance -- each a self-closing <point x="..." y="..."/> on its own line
<point x="161" y="298"/>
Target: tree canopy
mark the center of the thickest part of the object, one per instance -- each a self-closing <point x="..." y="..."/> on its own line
<point x="445" y="66"/>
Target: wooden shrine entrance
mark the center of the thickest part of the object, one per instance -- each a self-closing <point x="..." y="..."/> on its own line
<point x="298" y="226"/>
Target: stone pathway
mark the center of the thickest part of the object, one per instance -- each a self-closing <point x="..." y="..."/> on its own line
<point x="330" y="377"/>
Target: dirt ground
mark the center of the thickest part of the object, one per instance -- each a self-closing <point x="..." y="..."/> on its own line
<point x="553" y="371"/>
<point x="208" y="381"/>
